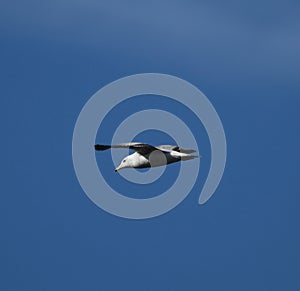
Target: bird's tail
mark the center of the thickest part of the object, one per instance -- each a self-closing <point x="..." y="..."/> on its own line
<point x="186" y="151"/>
<point x="187" y="157"/>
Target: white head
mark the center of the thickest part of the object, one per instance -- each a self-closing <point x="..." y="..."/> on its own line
<point x="127" y="162"/>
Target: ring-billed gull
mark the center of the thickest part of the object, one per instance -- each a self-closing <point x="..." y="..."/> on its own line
<point x="147" y="156"/>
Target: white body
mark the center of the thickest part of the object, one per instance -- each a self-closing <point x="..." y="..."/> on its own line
<point x="154" y="159"/>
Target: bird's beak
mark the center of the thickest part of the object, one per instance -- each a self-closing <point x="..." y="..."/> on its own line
<point x="117" y="168"/>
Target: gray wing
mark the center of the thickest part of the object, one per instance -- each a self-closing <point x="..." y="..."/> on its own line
<point x="141" y="148"/>
<point x="175" y="148"/>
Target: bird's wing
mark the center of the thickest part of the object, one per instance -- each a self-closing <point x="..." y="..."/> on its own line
<point x="141" y="148"/>
<point x="175" y="148"/>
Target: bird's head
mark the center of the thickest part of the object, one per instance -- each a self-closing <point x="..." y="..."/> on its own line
<point x="127" y="162"/>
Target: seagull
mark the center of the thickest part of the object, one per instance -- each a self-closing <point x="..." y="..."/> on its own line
<point x="147" y="156"/>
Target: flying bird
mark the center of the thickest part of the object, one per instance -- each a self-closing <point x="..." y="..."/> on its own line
<point x="147" y="156"/>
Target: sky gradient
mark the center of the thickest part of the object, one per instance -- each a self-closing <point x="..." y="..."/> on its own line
<point x="244" y="56"/>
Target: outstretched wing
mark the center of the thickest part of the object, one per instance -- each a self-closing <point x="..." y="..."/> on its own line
<point x="141" y="148"/>
<point x="175" y="148"/>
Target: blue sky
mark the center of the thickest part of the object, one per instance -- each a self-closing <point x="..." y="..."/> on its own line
<point x="243" y="55"/>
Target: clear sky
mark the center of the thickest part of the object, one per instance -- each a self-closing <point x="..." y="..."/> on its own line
<point x="244" y="56"/>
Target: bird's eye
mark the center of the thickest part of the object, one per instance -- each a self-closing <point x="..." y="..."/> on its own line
<point x="124" y="161"/>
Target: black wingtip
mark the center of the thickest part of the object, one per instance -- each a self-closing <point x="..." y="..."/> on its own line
<point x="100" y="147"/>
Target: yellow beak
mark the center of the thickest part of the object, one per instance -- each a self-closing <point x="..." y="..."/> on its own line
<point x="117" y="168"/>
